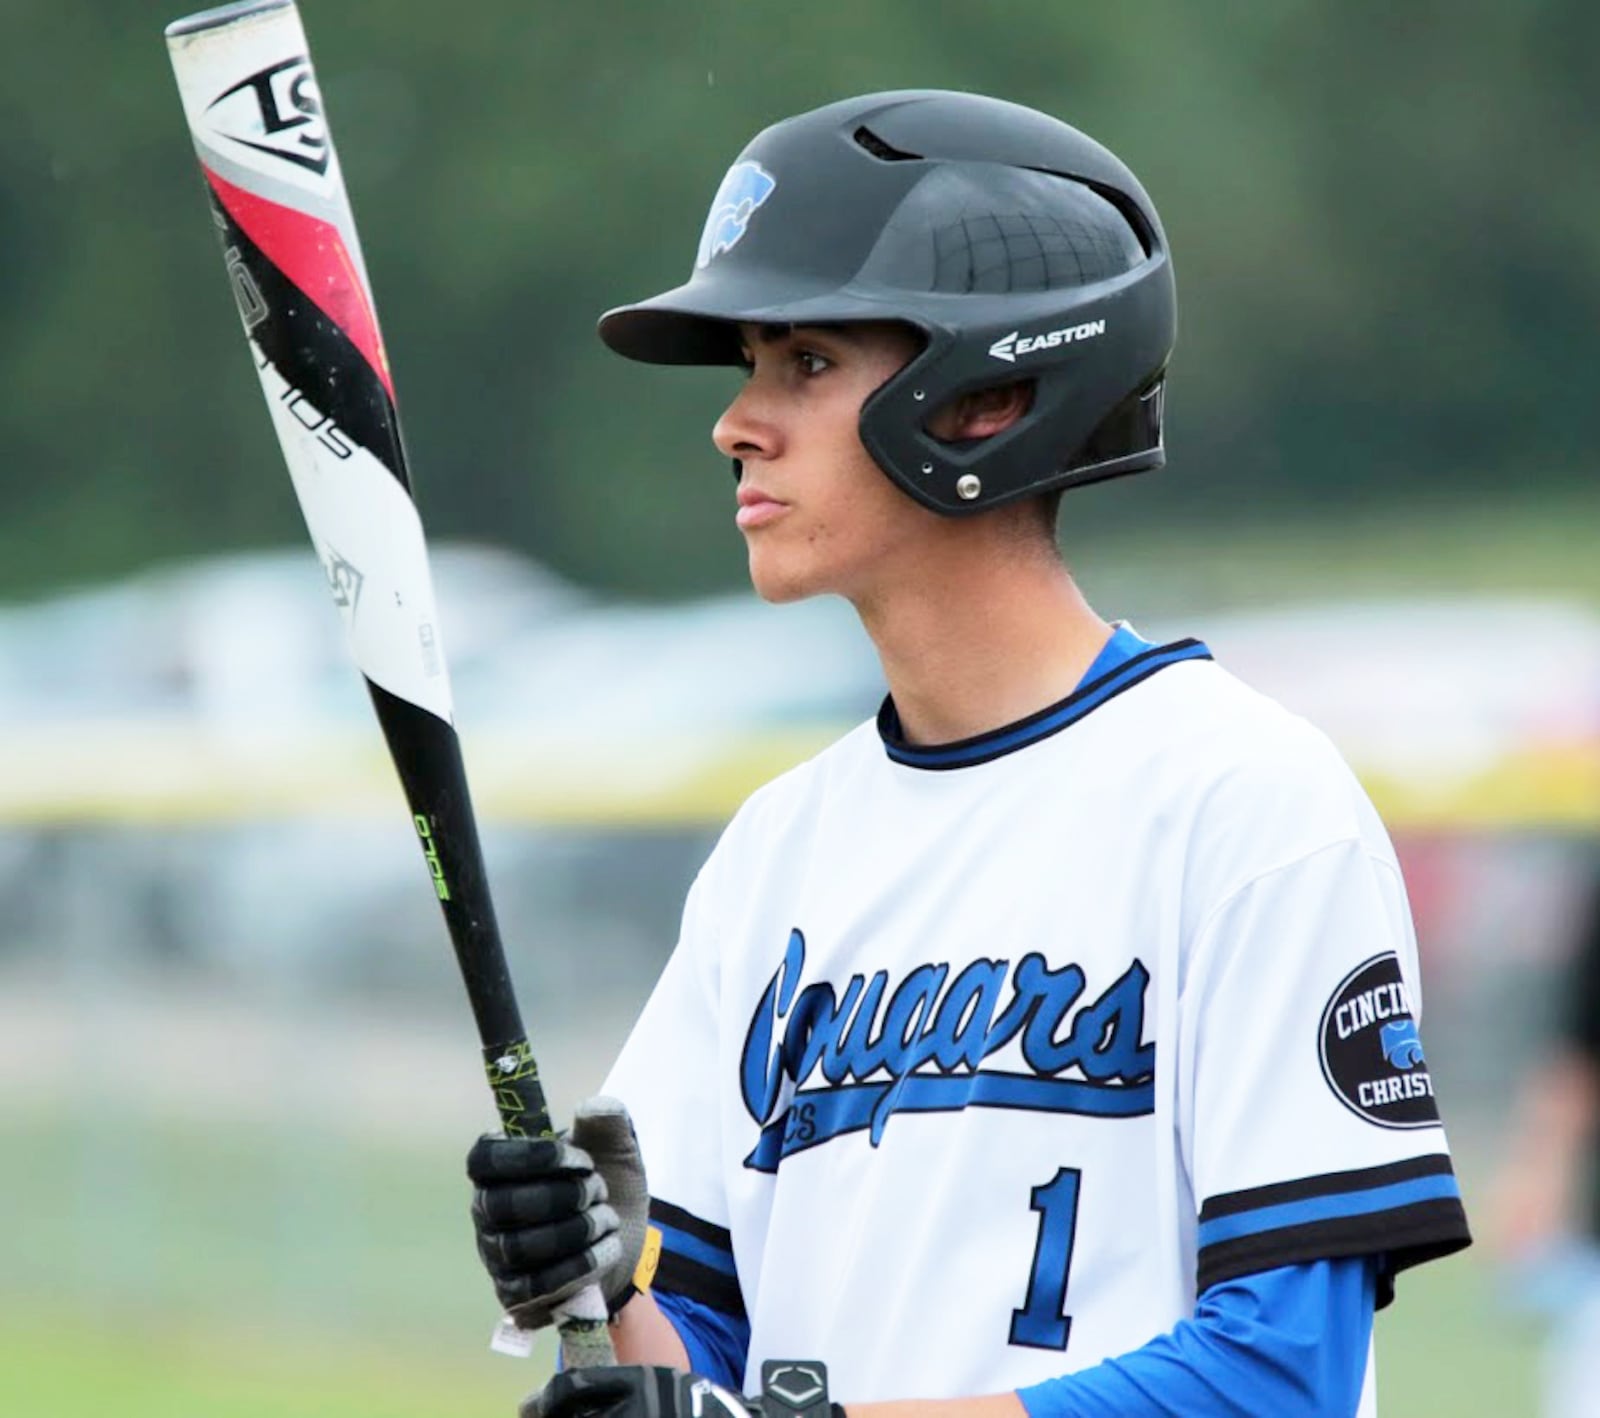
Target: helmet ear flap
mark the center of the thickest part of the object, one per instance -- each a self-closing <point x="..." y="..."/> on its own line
<point x="1130" y="431"/>
<point x="1096" y="356"/>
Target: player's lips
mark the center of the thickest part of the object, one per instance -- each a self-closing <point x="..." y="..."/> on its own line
<point x="757" y="508"/>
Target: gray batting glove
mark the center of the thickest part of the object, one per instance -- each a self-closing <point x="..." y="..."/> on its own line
<point x="554" y="1215"/>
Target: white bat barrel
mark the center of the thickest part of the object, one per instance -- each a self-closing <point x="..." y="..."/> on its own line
<point x="250" y="95"/>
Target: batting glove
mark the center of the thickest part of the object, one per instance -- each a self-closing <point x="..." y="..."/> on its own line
<point x="554" y="1215"/>
<point x="789" y="1389"/>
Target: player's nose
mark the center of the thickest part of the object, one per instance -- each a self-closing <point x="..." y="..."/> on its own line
<point x="746" y="429"/>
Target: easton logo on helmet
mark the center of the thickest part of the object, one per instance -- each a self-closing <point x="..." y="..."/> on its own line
<point x="745" y="188"/>
<point x="276" y="111"/>
<point x="1009" y="347"/>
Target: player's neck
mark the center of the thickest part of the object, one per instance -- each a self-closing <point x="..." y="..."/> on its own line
<point x="981" y="643"/>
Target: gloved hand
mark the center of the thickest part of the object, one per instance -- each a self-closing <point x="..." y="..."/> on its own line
<point x="635" y="1391"/>
<point x="555" y="1214"/>
<point x="789" y="1389"/>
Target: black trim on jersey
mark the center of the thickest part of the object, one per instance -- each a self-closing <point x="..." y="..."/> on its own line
<point x="1231" y="1203"/>
<point x="682" y="1274"/>
<point x="997" y="743"/>
<point x="1403" y="1238"/>
<point x="1419" y="1217"/>
<point x="699" y="1282"/>
<point x="664" y="1213"/>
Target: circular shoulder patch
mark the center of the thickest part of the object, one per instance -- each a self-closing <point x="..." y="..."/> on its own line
<point x="1371" y="1052"/>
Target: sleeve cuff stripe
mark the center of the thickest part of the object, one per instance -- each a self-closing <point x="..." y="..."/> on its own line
<point x="1327" y="1208"/>
<point x="676" y="1242"/>
<point x="1407" y="1237"/>
<point x="664" y="1213"/>
<point x="1434" y="1164"/>
<point x="682" y="1276"/>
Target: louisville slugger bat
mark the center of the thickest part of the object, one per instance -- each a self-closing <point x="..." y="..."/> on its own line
<point x="279" y="205"/>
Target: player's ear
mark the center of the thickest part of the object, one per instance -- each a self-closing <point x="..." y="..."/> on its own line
<point x="982" y="413"/>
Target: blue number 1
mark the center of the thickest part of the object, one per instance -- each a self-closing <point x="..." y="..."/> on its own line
<point x="1041" y="1323"/>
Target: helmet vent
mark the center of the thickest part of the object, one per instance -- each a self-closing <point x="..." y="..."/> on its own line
<point x="1125" y="205"/>
<point x="884" y="152"/>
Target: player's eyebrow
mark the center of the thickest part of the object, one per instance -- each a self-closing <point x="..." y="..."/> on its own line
<point x="776" y="332"/>
<point x="771" y="334"/>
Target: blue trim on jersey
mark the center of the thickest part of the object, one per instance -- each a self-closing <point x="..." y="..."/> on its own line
<point x="1124" y="644"/>
<point x="1325" y="1208"/>
<point x="827" y="1113"/>
<point x="1089" y="696"/>
<point x="718" y="1344"/>
<point x="1290" y="1341"/>
<point x="693" y="1248"/>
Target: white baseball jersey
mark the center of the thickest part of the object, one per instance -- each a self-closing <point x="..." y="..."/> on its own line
<point x="974" y="1064"/>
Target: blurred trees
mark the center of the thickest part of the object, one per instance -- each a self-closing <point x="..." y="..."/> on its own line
<point x="1384" y="221"/>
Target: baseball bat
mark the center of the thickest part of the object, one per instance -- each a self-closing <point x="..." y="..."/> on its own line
<point x="279" y="205"/>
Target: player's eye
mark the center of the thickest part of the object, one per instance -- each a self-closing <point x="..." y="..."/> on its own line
<point x="811" y="363"/>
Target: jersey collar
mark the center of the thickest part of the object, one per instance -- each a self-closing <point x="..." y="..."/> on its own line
<point x="1124" y="662"/>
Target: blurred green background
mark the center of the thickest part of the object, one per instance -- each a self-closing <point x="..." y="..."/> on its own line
<point x="235" y="1091"/>
<point x="1383" y="226"/>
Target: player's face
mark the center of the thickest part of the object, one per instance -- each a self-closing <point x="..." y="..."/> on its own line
<point x="816" y="512"/>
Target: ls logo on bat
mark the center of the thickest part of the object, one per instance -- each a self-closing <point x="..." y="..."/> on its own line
<point x="276" y="111"/>
<point x="920" y="1045"/>
<point x="745" y="188"/>
<point x="344" y="579"/>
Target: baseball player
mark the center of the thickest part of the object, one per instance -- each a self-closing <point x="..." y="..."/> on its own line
<point x="1049" y="1044"/>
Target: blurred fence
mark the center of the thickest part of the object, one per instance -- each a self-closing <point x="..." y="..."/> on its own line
<point x="235" y="1062"/>
<point x="249" y="1094"/>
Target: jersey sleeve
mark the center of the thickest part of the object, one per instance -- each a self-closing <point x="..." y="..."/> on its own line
<point x="666" y="1076"/>
<point x="1307" y="1110"/>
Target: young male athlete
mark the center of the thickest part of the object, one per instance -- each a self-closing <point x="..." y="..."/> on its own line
<point x="1050" y="1043"/>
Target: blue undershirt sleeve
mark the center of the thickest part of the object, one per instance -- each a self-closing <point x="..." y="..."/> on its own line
<point x="718" y="1344"/>
<point x="1289" y="1343"/>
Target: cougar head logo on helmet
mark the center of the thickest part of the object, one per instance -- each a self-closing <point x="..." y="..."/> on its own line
<point x="745" y="188"/>
<point x="1017" y="246"/>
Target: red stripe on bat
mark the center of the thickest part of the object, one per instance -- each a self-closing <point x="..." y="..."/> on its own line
<point x="312" y="255"/>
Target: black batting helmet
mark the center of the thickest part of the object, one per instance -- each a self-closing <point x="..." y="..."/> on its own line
<point x="1017" y="246"/>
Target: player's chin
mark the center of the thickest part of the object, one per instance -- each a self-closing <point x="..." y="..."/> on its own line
<point x="780" y="578"/>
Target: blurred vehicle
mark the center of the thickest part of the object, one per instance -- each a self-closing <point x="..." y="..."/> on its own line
<point x="190" y="771"/>
<point x="236" y="639"/>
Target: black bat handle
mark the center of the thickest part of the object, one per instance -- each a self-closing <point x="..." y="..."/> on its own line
<point x="518" y="1093"/>
<point x="427" y="753"/>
